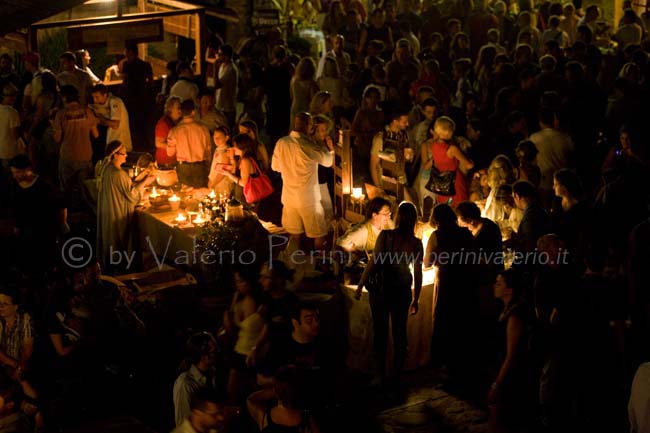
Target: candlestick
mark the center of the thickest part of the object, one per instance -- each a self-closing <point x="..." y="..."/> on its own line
<point x="174" y="202"/>
<point x="199" y="220"/>
<point x="180" y="218"/>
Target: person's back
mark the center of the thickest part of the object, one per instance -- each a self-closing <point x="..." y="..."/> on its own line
<point x="9" y="124"/>
<point x="76" y="123"/>
<point x="555" y="152"/>
<point x="297" y="158"/>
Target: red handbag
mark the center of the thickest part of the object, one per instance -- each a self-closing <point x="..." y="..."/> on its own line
<point x="258" y="186"/>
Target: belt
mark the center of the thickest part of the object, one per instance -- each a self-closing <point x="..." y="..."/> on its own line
<point x="191" y="163"/>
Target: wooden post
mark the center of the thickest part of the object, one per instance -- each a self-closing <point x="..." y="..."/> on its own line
<point x="199" y="38"/>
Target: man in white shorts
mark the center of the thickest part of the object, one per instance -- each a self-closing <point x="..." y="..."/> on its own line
<point x="297" y="157"/>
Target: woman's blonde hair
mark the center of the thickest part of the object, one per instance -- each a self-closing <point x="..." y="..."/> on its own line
<point x="444" y="127"/>
<point x="306" y="69"/>
<point x="170" y="103"/>
<point x="317" y="102"/>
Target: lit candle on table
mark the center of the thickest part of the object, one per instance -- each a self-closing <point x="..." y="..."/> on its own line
<point x="199" y="220"/>
<point x="174" y="202"/>
<point x="154" y="193"/>
<point x="180" y="218"/>
<point x="357" y="193"/>
<point x="212" y="195"/>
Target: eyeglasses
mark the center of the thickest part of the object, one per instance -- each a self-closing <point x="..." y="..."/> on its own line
<point x="386" y="213"/>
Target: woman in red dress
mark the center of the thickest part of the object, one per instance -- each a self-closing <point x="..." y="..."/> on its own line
<point x="446" y="156"/>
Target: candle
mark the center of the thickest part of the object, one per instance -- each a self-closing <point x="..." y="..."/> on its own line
<point x="212" y="194"/>
<point x="154" y="193"/>
<point x="180" y="218"/>
<point x="199" y="220"/>
<point x="174" y="202"/>
<point x="356" y="193"/>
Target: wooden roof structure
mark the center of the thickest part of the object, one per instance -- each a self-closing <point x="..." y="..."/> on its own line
<point x="19" y="14"/>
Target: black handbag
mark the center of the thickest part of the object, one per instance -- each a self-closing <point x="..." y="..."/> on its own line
<point x="442" y="182"/>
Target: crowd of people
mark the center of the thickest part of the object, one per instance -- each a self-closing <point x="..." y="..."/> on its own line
<point x="536" y="110"/>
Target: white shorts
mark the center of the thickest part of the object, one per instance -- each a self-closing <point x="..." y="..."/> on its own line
<point x="309" y="220"/>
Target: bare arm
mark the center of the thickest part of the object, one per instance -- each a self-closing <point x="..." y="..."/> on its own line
<point x="514" y="330"/>
<point x="111" y="123"/>
<point x="257" y="404"/>
<point x="375" y="167"/>
<point x="465" y="163"/>
<point x="8" y="360"/>
<point x="432" y="244"/>
<point x="57" y="342"/>
<point x="362" y="41"/>
<point x="417" y="277"/>
<point x="424" y="155"/>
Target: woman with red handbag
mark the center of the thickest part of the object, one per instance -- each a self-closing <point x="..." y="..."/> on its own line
<point x="255" y="184"/>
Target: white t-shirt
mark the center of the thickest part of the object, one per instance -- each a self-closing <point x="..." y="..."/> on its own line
<point x="296" y="157"/>
<point x="114" y="109"/>
<point x="9" y="119"/>
<point x="226" y="95"/>
<point x="79" y="79"/>
<point x="185" y="89"/>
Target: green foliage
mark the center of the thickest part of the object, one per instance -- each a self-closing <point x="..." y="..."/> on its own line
<point x="217" y="237"/>
<point x="51" y="43"/>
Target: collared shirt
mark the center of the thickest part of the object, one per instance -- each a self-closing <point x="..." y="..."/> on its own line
<point x="185" y="386"/>
<point x="296" y="157"/>
<point x="360" y="237"/>
<point x="114" y="109"/>
<point x="12" y="338"/>
<point x="189" y="141"/>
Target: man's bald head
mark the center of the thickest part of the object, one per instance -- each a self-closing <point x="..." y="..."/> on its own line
<point x="303" y="123"/>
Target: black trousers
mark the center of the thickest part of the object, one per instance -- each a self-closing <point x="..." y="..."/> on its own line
<point x="393" y="305"/>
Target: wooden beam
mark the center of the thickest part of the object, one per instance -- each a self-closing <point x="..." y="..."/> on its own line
<point x="113" y="18"/>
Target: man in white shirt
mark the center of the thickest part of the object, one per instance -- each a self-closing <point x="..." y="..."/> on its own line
<point x="555" y="151"/>
<point x="296" y="157"/>
<point x="226" y="84"/>
<point x="362" y="237"/>
<point x="72" y="75"/>
<point x="111" y="112"/>
<point x="34" y="88"/>
<point x="202" y="353"/>
<point x="342" y="58"/>
<point x="185" y="88"/>
<point x="9" y="125"/>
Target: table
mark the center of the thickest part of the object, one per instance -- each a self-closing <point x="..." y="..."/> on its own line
<point x="419" y="327"/>
<point x="165" y="241"/>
